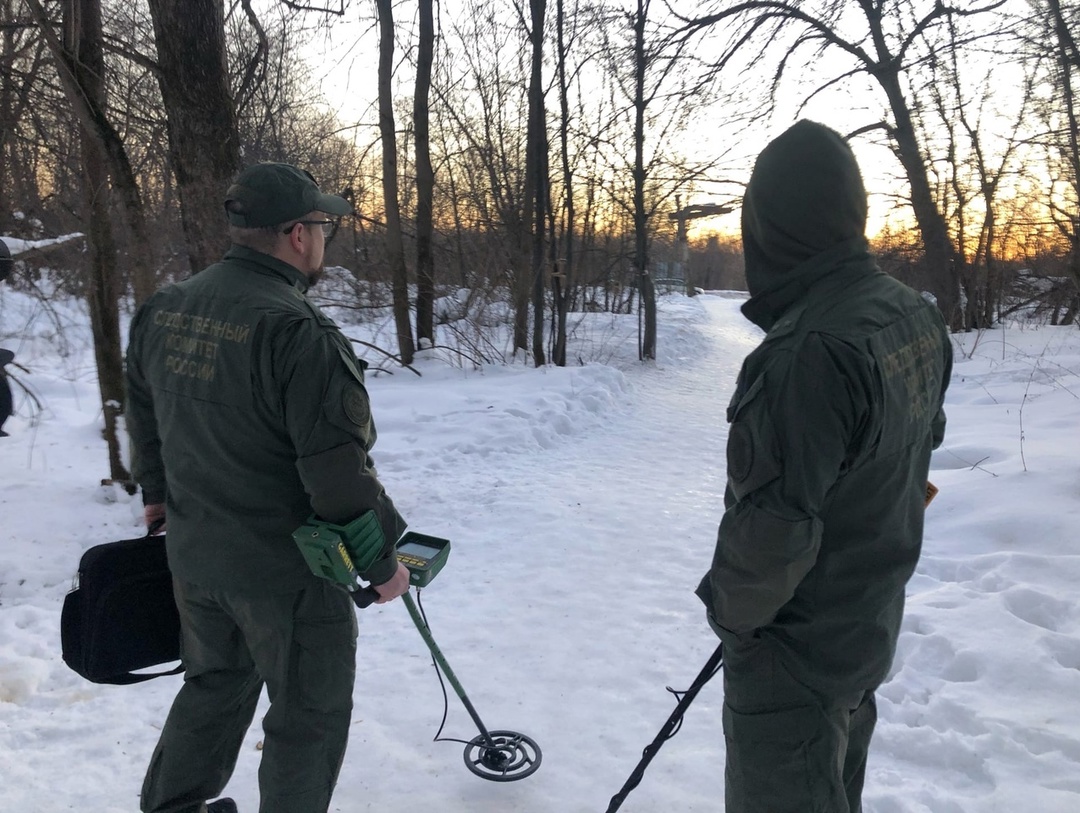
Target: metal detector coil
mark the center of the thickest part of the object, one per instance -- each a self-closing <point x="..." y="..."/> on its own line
<point x="499" y="756"/>
<point x="505" y="756"/>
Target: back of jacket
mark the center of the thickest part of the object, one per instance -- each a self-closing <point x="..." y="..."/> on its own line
<point x="832" y="424"/>
<point x="247" y="412"/>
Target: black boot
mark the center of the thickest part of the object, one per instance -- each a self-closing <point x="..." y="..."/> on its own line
<point x="221" y="806"/>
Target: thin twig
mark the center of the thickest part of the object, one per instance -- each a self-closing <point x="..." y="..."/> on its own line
<point x="386" y="353"/>
<point x="969" y="463"/>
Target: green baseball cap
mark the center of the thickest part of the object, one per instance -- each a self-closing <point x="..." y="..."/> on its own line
<point x="268" y="194"/>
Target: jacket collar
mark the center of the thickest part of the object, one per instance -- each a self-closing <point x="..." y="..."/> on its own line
<point x="269" y="266"/>
<point x="842" y="261"/>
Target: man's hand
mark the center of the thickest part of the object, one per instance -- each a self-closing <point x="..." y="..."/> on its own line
<point x="152" y="513"/>
<point x="398" y="585"/>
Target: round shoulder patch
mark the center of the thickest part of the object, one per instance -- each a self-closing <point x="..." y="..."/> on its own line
<point x="355" y="403"/>
<point x="740" y="452"/>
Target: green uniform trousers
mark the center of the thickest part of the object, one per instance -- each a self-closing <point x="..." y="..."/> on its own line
<point x="302" y="646"/>
<point x="789" y="750"/>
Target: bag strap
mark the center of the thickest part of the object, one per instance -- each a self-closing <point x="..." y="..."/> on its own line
<point x="132" y="677"/>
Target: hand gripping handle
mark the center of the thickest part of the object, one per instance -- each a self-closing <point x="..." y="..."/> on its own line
<point x="365" y="597"/>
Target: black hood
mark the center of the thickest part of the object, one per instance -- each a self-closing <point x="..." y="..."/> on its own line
<point x="805" y="197"/>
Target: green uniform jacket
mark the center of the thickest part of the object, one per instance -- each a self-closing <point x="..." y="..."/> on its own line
<point x="247" y="413"/>
<point x="831" y="428"/>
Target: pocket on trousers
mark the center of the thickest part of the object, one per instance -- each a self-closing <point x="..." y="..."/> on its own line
<point x="770" y="763"/>
<point x="325" y="652"/>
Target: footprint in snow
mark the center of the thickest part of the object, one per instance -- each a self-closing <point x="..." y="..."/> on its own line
<point x="1040" y="609"/>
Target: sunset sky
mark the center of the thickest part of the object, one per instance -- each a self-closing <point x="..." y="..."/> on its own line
<point x="344" y="62"/>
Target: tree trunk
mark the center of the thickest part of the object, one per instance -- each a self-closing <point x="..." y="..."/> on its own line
<point x="520" y="229"/>
<point x="7" y="117"/>
<point x="1068" y="57"/>
<point x="203" y="144"/>
<point x="536" y="165"/>
<point x="82" y="27"/>
<point x="425" y="181"/>
<point x="647" y="349"/>
<point x="940" y="260"/>
<point x="395" y="247"/>
<point x="561" y="279"/>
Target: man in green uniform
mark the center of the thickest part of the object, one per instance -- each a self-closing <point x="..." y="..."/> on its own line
<point x="831" y="428"/>
<point x="247" y="413"/>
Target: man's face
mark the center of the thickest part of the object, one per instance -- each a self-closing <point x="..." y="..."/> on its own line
<point x="303" y="245"/>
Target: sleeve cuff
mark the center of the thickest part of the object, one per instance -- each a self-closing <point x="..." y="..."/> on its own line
<point x="153" y="496"/>
<point x="383" y="570"/>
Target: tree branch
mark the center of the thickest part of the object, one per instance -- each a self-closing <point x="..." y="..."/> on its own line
<point x="782" y="11"/>
<point x="301" y="7"/>
<point x="118" y="47"/>
<point x="258" y="59"/>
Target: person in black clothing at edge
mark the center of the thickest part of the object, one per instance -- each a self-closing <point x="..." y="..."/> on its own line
<point x="832" y="423"/>
<point x="248" y="413"/>
<point x="7" y="402"/>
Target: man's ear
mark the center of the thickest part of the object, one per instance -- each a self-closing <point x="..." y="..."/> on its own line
<point x="299" y="239"/>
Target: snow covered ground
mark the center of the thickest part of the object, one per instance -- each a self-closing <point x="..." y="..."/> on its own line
<point x="582" y="504"/>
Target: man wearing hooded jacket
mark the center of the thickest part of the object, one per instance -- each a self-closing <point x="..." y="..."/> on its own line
<point x="831" y="428"/>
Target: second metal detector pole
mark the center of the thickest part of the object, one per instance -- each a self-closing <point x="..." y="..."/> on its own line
<point x="436" y="653"/>
<point x="668" y="729"/>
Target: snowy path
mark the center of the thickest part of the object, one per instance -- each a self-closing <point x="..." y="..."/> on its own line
<point x="604" y="576"/>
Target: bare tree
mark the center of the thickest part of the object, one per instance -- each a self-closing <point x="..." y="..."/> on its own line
<point x="659" y="102"/>
<point x="980" y="146"/>
<point x="425" y="180"/>
<point x="485" y="105"/>
<point x="886" y="44"/>
<point x="83" y="40"/>
<point x="1064" y="139"/>
<point x="94" y="119"/>
<point x="536" y="171"/>
<point x="22" y="55"/>
<point x="205" y="150"/>
<point x="395" y="247"/>
<point x="647" y="349"/>
<point x="561" y="276"/>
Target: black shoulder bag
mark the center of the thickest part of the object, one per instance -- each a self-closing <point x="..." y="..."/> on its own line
<point x="121" y="616"/>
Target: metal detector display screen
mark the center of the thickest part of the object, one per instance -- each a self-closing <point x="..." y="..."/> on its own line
<point x="424" y="556"/>
<point x="425" y="552"/>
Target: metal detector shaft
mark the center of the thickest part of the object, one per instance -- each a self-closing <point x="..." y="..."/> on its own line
<point x="668" y="728"/>
<point x="436" y="653"/>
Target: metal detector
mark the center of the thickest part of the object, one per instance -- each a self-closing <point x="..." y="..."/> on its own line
<point x="500" y="756"/>
<point x="670" y="727"/>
